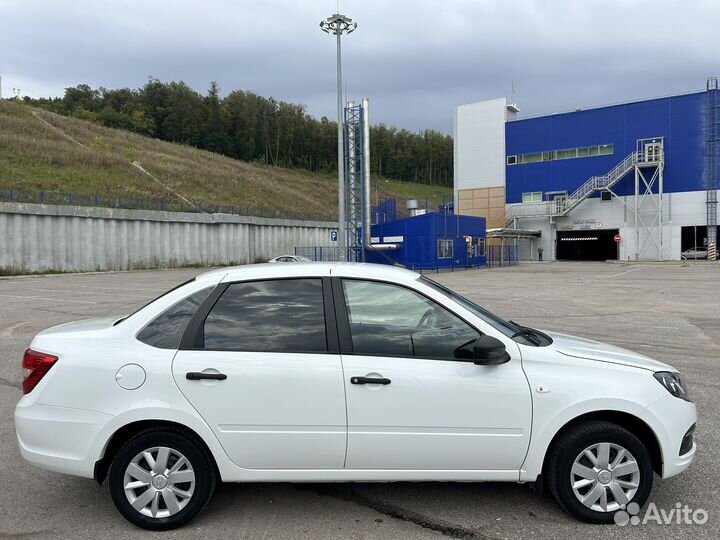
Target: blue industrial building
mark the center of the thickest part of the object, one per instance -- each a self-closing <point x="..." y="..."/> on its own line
<point x="631" y="181"/>
<point x="430" y="241"/>
<point x="614" y="131"/>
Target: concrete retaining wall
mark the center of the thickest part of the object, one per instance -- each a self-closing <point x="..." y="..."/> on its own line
<point x="38" y="238"/>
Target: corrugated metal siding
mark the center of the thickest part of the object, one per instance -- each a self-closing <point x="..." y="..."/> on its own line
<point x="680" y="119"/>
<point x="420" y="235"/>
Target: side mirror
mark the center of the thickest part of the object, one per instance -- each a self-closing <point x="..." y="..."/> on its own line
<point x="489" y="351"/>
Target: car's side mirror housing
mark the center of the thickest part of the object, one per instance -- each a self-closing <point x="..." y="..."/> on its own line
<point x="489" y="351"/>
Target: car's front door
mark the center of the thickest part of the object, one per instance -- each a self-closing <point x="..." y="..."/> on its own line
<point x="258" y="363"/>
<point x="415" y="398"/>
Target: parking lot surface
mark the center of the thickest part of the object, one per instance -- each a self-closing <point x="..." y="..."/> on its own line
<point x="667" y="311"/>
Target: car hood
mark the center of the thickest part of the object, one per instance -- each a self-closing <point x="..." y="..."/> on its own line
<point x="82" y="326"/>
<point x="602" y="352"/>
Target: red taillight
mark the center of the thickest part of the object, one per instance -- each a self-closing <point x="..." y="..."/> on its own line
<point x="35" y="366"/>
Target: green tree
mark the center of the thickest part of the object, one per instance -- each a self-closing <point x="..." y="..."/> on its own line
<point x="247" y="126"/>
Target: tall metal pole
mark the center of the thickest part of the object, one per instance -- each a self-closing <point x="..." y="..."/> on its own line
<point x="340" y="24"/>
<point x="342" y="232"/>
<point x="637" y="213"/>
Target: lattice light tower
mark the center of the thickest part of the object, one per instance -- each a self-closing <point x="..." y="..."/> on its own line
<point x="338" y="25"/>
<point x="357" y="179"/>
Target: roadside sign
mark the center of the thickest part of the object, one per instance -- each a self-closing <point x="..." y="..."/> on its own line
<point x="617" y="238"/>
<point x="333" y="235"/>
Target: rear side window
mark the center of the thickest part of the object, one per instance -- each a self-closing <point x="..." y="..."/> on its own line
<point x="166" y="330"/>
<point x="285" y="315"/>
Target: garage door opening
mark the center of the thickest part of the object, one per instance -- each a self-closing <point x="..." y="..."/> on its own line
<point x="590" y="245"/>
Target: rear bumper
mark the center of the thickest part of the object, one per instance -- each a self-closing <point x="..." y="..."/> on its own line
<point x="673" y="417"/>
<point x="60" y="439"/>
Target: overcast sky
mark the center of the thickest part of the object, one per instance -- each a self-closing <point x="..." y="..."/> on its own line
<point x="415" y="59"/>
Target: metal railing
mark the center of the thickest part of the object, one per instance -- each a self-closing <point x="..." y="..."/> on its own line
<point x="130" y="203"/>
<point x="319" y="253"/>
<point x="501" y="256"/>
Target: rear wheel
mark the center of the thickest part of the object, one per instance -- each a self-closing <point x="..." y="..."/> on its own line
<point x="596" y="469"/>
<point x="160" y="480"/>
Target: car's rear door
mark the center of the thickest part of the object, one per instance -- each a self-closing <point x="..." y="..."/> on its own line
<point x="260" y="363"/>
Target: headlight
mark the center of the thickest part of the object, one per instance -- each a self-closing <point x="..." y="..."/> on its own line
<point x="673" y="383"/>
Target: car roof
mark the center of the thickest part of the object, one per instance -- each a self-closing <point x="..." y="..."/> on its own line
<point x="312" y="269"/>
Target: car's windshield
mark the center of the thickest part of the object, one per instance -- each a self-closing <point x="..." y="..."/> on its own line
<point x="521" y="334"/>
<point x="496" y="322"/>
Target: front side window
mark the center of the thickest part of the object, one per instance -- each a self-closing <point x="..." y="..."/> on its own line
<point x="389" y="320"/>
<point x="166" y="330"/>
<point x="445" y="249"/>
<point x="284" y="315"/>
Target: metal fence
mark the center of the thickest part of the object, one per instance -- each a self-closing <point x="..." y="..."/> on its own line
<point x="76" y="199"/>
<point x="331" y="254"/>
<point x="319" y="253"/>
<point x="503" y="255"/>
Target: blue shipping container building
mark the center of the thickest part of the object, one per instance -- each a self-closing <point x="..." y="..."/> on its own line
<point x="431" y="241"/>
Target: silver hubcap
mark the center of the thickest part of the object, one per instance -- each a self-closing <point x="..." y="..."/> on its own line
<point x="605" y="477"/>
<point x="159" y="482"/>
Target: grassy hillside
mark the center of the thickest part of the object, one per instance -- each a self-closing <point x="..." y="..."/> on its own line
<point x="42" y="151"/>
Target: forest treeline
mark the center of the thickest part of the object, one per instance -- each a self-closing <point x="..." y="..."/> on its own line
<point x="246" y="126"/>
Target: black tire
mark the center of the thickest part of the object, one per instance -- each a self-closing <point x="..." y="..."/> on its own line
<point x="202" y="465"/>
<point x="568" y="447"/>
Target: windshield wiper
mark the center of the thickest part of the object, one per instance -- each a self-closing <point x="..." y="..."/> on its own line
<point x="525" y="332"/>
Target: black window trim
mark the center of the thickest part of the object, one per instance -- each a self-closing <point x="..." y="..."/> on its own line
<point x="194" y="337"/>
<point x="343" y="319"/>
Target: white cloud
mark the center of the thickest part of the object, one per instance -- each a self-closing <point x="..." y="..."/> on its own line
<point x="416" y="59"/>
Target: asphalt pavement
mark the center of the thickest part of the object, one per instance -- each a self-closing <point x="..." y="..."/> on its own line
<point x="667" y="311"/>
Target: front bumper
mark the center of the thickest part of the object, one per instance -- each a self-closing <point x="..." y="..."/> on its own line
<point x="60" y="439"/>
<point x="672" y="419"/>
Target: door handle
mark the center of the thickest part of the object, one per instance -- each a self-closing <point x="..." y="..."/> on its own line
<point x="369" y="380"/>
<point x="199" y="375"/>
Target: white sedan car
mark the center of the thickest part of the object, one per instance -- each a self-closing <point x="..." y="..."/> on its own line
<point x="342" y="372"/>
<point x="289" y="258"/>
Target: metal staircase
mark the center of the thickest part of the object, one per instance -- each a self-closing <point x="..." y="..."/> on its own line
<point x="645" y="156"/>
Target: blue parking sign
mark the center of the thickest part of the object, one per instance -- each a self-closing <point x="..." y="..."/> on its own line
<point x="333" y="235"/>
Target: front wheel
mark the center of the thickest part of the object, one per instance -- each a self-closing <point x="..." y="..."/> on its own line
<point x="160" y="480"/>
<point x="596" y="469"/>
